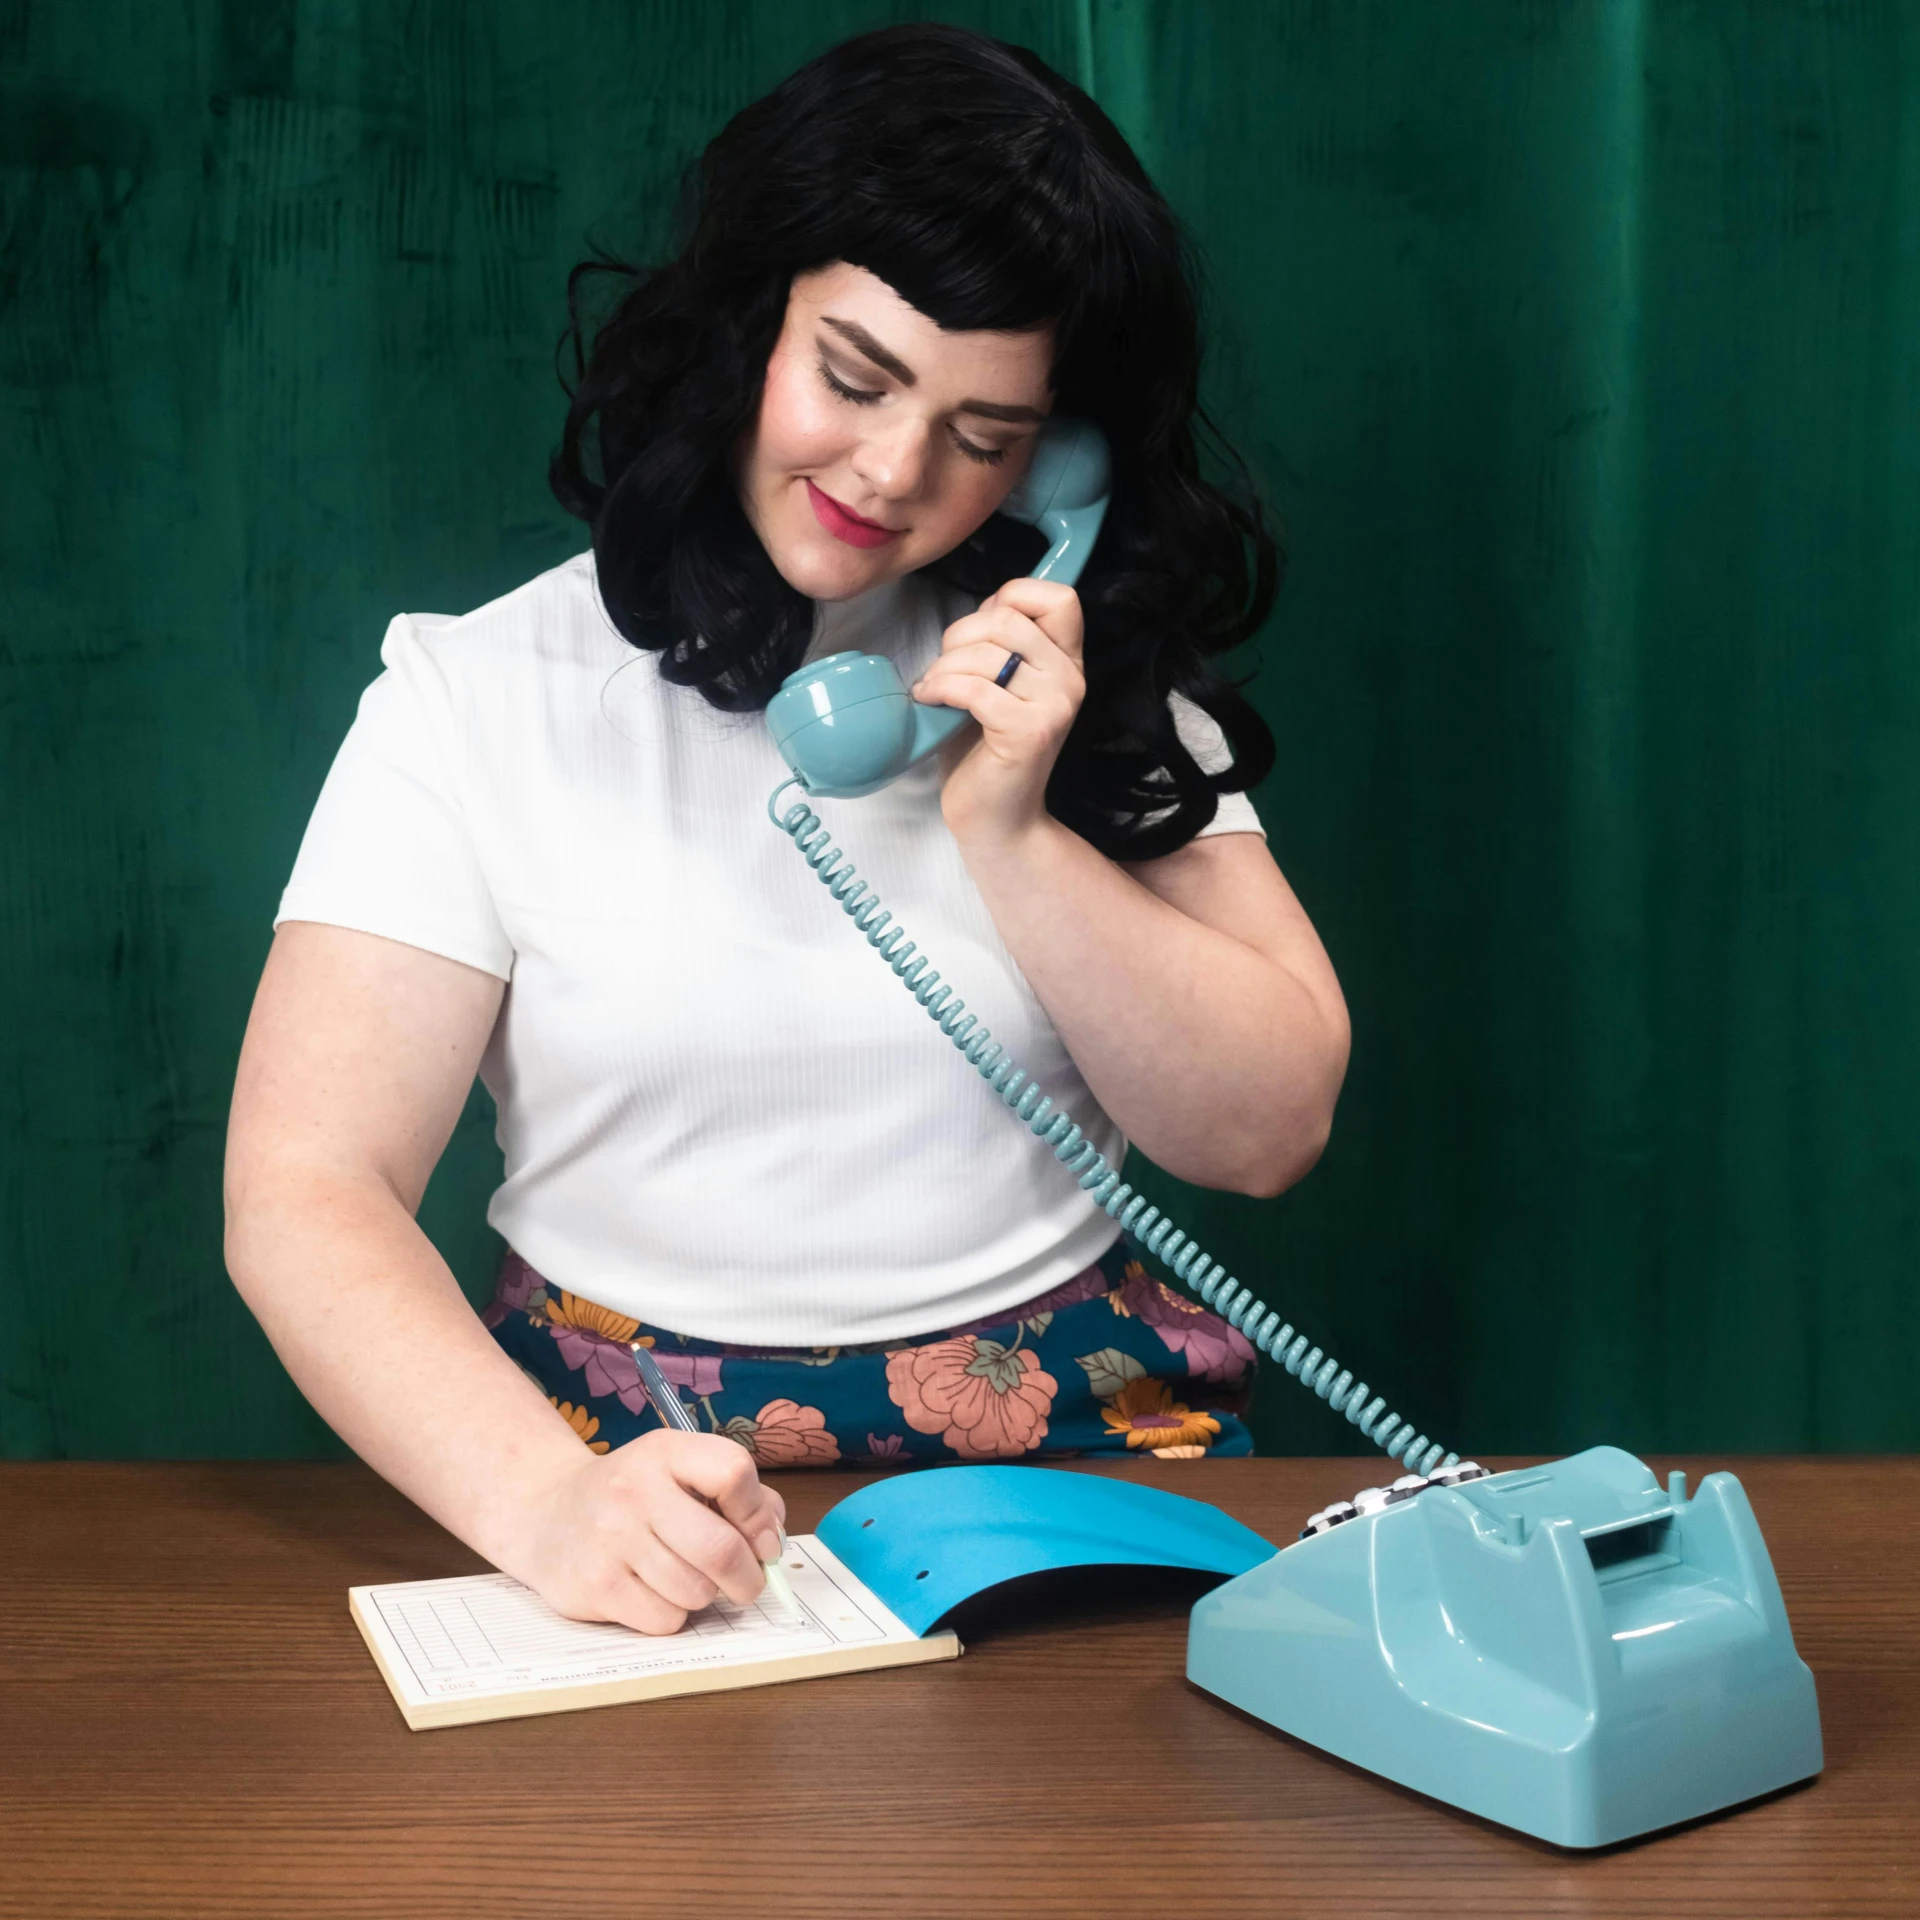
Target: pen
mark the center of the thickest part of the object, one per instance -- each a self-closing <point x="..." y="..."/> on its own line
<point x="675" y="1413"/>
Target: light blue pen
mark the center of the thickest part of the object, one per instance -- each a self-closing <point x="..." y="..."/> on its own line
<point x="674" y="1412"/>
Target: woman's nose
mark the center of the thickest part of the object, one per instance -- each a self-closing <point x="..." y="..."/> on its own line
<point x="894" y="464"/>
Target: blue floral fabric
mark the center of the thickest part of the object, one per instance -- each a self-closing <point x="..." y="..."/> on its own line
<point x="1112" y="1362"/>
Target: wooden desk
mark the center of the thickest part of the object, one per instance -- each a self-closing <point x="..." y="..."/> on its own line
<point x="190" y="1725"/>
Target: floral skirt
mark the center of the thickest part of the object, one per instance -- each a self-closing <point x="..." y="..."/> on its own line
<point x="1112" y="1362"/>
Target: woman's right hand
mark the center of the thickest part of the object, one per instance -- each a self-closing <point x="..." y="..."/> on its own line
<point x="628" y="1535"/>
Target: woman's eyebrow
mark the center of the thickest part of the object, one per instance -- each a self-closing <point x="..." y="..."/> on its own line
<point x="993" y="410"/>
<point x="856" y="335"/>
<point x="852" y="331"/>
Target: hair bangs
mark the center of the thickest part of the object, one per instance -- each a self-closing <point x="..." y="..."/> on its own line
<point x="975" y="273"/>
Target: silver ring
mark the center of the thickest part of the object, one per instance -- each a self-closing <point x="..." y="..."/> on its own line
<point x="1006" y="673"/>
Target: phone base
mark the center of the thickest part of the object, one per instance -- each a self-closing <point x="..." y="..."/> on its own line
<point x="1569" y="1650"/>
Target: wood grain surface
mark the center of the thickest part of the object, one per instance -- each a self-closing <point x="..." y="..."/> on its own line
<point x="189" y="1725"/>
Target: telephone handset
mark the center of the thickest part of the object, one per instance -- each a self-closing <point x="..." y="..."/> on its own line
<point x="846" y="725"/>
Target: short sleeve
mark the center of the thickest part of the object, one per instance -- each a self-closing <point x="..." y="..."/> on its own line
<point x="1200" y="734"/>
<point x="390" y="847"/>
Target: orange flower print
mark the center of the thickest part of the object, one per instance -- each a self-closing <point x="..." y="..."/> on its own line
<point x="585" y="1424"/>
<point x="985" y="1400"/>
<point x="601" y="1343"/>
<point x="1148" y="1414"/>
<point x="785" y="1434"/>
<point x="590" y="1318"/>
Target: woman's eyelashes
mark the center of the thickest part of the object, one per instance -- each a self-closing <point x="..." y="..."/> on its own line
<point x="866" y="396"/>
<point x="860" y="396"/>
<point x="987" y="456"/>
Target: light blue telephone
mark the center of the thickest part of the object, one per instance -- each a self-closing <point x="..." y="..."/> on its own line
<point x="1571" y="1650"/>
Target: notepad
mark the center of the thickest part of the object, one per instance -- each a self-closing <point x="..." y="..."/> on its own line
<point x="484" y="1647"/>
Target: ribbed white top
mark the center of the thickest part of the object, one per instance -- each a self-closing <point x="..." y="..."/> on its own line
<point x="720" y="1111"/>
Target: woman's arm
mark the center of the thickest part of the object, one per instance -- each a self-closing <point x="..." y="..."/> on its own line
<point x="358" y="1058"/>
<point x="1192" y="991"/>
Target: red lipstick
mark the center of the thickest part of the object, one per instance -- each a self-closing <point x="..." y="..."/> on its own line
<point x="844" y="524"/>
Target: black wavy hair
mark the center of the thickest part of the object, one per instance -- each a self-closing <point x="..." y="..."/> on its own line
<point x="989" y="193"/>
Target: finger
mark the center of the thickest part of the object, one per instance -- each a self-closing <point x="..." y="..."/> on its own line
<point x="993" y="636"/>
<point x="998" y="710"/>
<point x="1043" y="709"/>
<point x="766" y="1533"/>
<point x="622" y="1596"/>
<point x="765" y="1529"/>
<point x="988" y="659"/>
<point x="777" y="1509"/>
<point x="663" y="1567"/>
<point x="1054" y="608"/>
<point x="722" y="1470"/>
<point x="1000" y="627"/>
<point x="714" y="1549"/>
<point x="1039" y="599"/>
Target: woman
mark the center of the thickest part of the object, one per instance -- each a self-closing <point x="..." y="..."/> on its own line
<point x="543" y="854"/>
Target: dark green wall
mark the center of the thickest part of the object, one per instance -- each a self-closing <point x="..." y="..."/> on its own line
<point x="1579" y="346"/>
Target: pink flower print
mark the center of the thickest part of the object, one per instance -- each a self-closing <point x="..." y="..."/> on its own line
<point x="514" y="1293"/>
<point x="986" y="1401"/>
<point x="600" y="1341"/>
<point x="699" y="1373"/>
<point x="883" y="1447"/>
<point x="1213" y="1350"/>
<point x="785" y="1434"/>
<point x="1087" y="1284"/>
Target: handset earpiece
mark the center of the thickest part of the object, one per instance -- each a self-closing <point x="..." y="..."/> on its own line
<point x="1065" y="495"/>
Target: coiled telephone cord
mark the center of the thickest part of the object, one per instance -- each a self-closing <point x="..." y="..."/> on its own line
<point x="1147" y="1225"/>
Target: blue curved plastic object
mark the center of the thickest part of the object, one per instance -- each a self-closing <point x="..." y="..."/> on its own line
<point x="1572" y="1650"/>
<point x="924" y="1542"/>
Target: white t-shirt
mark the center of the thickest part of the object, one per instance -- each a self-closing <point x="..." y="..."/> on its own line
<point x="720" y="1110"/>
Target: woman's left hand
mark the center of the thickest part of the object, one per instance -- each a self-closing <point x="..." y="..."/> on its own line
<point x="996" y="781"/>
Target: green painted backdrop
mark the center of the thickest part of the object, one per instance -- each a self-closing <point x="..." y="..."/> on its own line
<point x="1579" y="345"/>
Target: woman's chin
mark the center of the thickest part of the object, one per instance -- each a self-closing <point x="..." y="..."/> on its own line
<point x="831" y="570"/>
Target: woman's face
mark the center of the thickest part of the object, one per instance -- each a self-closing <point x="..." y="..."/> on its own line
<point x="882" y="441"/>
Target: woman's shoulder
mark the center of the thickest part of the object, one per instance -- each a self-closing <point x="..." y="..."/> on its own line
<point x="556" y="619"/>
